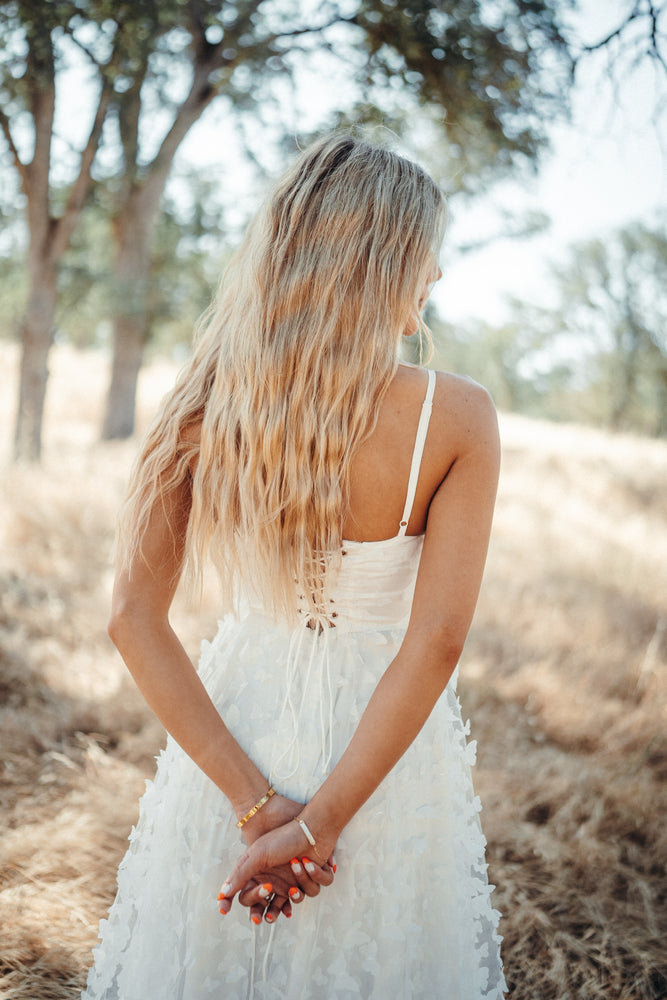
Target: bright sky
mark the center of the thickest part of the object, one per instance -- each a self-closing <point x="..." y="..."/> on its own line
<point x="607" y="168"/>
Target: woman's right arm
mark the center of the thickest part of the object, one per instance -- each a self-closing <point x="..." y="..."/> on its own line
<point x="139" y="627"/>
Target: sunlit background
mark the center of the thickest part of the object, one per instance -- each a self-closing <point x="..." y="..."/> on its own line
<point x="553" y="295"/>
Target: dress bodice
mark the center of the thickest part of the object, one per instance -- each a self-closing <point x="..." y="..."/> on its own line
<point x="375" y="580"/>
<point x="375" y="583"/>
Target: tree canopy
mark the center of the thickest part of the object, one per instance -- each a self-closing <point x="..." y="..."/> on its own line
<point x="472" y="85"/>
<point x="486" y="75"/>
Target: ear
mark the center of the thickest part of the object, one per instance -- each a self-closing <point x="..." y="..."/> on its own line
<point x="413" y="324"/>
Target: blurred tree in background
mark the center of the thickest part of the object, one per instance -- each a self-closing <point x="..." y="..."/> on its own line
<point x="32" y="46"/>
<point x="613" y="303"/>
<point x="485" y="74"/>
<point x="471" y="84"/>
<point x="186" y="257"/>
<point x="480" y="76"/>
<point x="599" y="355"/>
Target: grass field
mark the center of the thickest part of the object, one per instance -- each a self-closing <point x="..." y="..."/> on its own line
<point x="564" y="677"/>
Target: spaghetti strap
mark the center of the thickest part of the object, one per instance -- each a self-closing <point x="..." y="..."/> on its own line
<point x="417" y="453"/>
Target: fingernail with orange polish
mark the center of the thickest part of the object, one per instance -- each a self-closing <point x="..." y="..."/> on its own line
<point x="296" y="867"/>
<point x="256" y="920"/>
<point x="308" y="864"/>
<point x="294" y="893"/>
<point x="266" y="890"/>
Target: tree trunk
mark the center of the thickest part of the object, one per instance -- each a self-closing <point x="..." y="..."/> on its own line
<point x="37" y="332"/>
<point x="132" y="234"/>
<point x="661" y="397"/>
<point x="128" y="349"/>
<point x="130" y="333"/>
<point x="49" y="239"/>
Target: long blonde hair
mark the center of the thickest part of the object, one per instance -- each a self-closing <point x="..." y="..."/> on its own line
<point x="290" y="363"/>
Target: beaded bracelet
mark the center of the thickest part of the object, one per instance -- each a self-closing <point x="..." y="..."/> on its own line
<point x="255" y="809"/>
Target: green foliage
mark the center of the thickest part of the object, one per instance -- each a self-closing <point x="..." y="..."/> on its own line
<point x="599" y="357"/>
<point x="488" y="76"/>
<point x="13" y="283"/>
<point x="469" y="86"/>
<point x="471" y="73"/>
<point x="614" y="300"/>
<point x="13" y="290"/>
<point x="39" y="40"/>
<point x="188" y="251"/>
<point x="492" y="356"/>
<point x="491" y="74"/>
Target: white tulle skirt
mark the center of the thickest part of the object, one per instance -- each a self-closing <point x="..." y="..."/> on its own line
<point x="409" y="915"/>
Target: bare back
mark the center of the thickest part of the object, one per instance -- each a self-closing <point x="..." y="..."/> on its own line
<point x="381" y="467"/>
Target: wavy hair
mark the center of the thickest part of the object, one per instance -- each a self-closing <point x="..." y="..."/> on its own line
<point x="290" y="363"/>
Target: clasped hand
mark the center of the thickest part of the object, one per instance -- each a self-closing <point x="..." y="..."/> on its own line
<point x="277" y="864"/>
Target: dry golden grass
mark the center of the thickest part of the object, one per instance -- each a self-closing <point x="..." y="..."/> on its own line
<point x="565" y="676"/>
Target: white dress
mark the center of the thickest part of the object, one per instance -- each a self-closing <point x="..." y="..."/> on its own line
<point x="409" y="916"/>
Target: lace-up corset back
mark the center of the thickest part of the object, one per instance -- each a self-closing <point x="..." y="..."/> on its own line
<point x="376" y="580"/>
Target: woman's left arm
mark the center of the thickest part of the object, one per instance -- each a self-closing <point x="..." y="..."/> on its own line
<point x="448" y="582"/>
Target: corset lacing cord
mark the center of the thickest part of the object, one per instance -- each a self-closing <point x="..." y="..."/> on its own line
<point x="326" y="729"/>
<point x="319" y="644"/>
<point x="319" y="634"/>
<point x="253" y="960"/>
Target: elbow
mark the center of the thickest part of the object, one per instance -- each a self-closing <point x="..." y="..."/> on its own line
<point x="448" y="649"/>
<point x="132" y="623"/>
<point x="444" y="646"/>
<point x="118" y="627"/>
<point x="438" y="646"/>
<point x="123" y="626"/>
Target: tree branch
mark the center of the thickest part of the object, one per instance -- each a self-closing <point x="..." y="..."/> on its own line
<point x="312" y="30"/>
<point x="197" y="28"/>
<point x="657" y="54"/>
<point x="202" y="92"/>
<point x="70" y="32"/>
<point x="64" y="227"/>
<point x="18" y="162"/>
<point x="200" y="96"/>
<point x="616" y="33"/>
<point x="653" y="13"/>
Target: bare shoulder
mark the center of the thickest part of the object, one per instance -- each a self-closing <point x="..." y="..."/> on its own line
<point x="464" y="411"/>
<point x="458" y="398"/>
